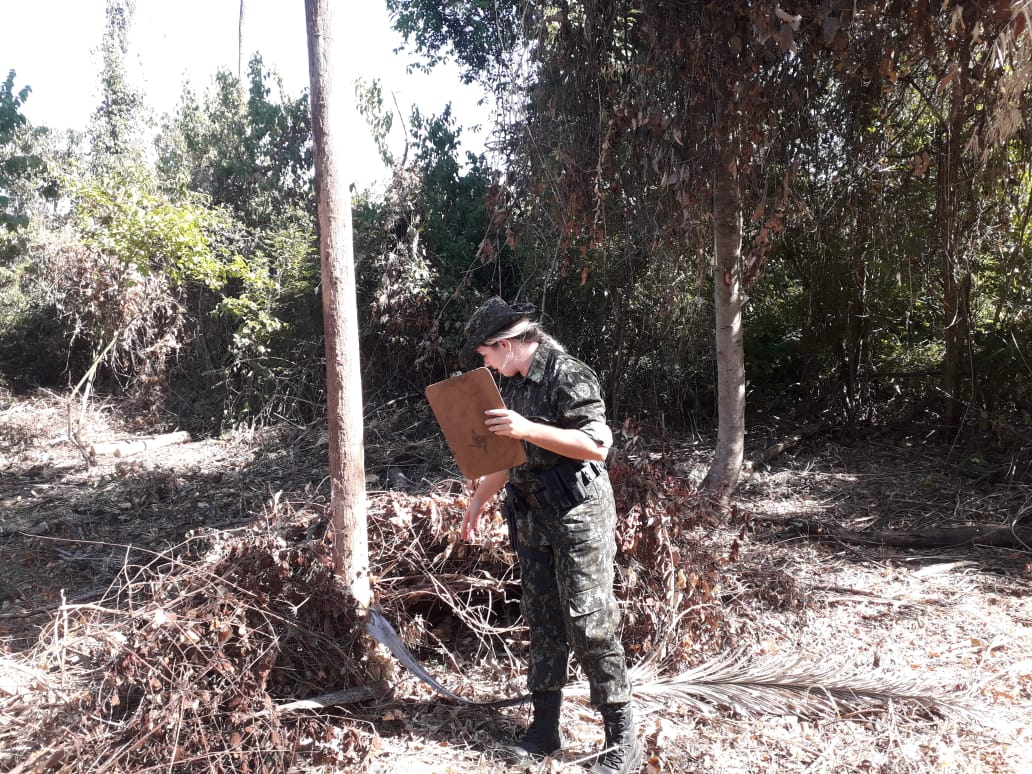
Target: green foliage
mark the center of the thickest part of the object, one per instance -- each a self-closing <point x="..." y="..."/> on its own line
<point x="887" y="205"/>
<point x="206" y="270"/>
<point x="120" y="216"/>
<point x="416" y="246"/>
<point x="479" y="34"/>
<point x="15" y="165"/>
<point x="248" y="152"/>
<point x="204" y="276"/>
<point x="119" y="282"/>
<point x="1002" y="407"/>
<point x="278" y="278"/>
<point x="586" y="222"/>
<point x="33" y="340"/>
<point x="275" y="365"/>
<point x="643" y="319"/>
<point x="453" y="196"/>
<point x="256" y="286"/>
<point x="370" y="105"/>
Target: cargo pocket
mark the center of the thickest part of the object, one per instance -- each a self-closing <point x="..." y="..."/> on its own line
<point x="586" y="601"/>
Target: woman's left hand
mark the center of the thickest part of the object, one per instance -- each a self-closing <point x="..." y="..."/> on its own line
<point x="566" y="441"/>
<point x="508" y="423"/>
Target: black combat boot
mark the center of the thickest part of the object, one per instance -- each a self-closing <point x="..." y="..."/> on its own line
<point x="542" y="736"/>
<point x="623" y="751"/>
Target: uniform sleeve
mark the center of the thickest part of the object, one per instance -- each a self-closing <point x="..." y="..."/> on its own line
<point x="579" y="403"/>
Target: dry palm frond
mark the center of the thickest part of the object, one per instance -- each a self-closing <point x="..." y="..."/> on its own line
<point x="783" y="686"/>
<point x="788" y="686"/>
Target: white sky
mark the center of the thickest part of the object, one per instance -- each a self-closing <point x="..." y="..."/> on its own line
<point x="53" y="45"/>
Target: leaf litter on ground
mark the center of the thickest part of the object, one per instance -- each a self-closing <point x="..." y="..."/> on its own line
<point x="752" y="653"/>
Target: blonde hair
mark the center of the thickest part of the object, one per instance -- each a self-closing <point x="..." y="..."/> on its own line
<point x="525" y="330"/>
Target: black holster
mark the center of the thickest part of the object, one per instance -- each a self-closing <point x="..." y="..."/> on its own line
<point x="564" y="485"/>
<point x="509" y="512"/>
<point x="568" y="482"/>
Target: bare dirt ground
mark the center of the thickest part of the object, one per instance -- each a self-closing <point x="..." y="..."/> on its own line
<point x="958" y="619"/>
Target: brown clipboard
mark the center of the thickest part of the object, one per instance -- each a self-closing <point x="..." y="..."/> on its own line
<point x="459" y="404"/>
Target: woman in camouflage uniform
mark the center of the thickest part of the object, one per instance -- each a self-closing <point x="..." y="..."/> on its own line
<point x="562" y="504"/>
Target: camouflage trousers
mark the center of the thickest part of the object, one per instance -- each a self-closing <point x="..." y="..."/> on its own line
<point x="566" y="565"/>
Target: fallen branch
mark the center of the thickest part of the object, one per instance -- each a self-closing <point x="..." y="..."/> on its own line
<point x="1016" y="535"/>
<point x="125" y="448"/>
<point x="86" y="385"/>
<point x="344" y="696"/>
<point x="807" y="431"/>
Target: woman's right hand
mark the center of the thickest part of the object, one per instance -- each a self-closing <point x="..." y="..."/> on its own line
<point x="471" y="520"/>
<point x="487" y="487"/>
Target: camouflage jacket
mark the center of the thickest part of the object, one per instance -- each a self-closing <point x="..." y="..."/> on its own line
<point x="558" y="390"/>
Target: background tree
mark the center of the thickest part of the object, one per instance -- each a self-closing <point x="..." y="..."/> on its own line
<point x="116" y="127"/>
<point x="416" y="247"/>
<point x="15" y="166"/>
<point x="683" y="92"/>
<point x="831" y="131"/>
<point x="667" y="119"/>
<point x="248" y="151"/>
<point x="251" y="156"/>
<point x="866" y="261"/>
<point x="972" y="80"/>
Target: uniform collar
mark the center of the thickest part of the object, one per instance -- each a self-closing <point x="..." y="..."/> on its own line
<point x="536" y="371"/>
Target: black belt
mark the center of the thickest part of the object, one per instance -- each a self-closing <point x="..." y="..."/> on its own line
<point x="562" y="486"/>
<point x="530" y="500"/>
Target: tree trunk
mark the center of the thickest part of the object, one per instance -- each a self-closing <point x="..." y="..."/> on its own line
<point x="728" y="297"/>
<point x="956" y="276"/>
<point x="240" y="42"/>
<point x="340" y="312"/>
<point x="857" y="316"/>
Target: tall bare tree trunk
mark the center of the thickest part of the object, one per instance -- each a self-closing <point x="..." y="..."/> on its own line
<point x="240" y="41"/>
<point x="340" y="312"/>
<point x="728" y="296"/>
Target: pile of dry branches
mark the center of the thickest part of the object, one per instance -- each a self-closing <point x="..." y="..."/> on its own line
<point x="183" y="659"/>
<point x="195" y="656"/>
<point x="186" y="657"/>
